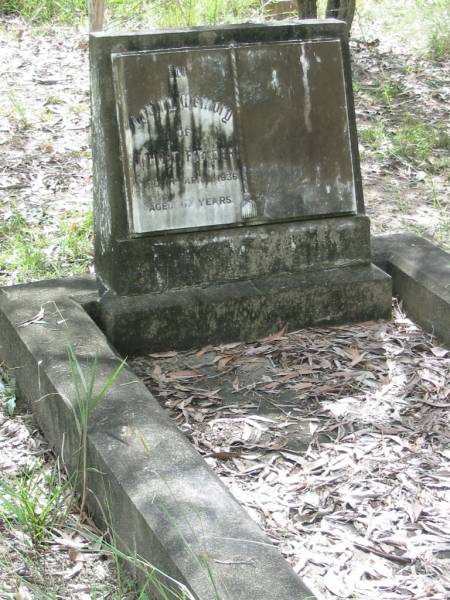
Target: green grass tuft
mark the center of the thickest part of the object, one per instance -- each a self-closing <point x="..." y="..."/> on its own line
<point x="416" y="140"/>
<point x="413" y="140"/>
<point x="31" y="501"/>
<point x="87" y="398"/>
<point x="164" y="13"/>
<point x="27" y="252"/>
<point x="188" y="13"/>
<point x="44" y="11"/>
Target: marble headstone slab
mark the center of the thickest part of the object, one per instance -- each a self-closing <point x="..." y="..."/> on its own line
<point x="235" y="134"/>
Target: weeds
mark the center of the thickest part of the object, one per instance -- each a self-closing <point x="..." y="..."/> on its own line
<point x="27" y="252"/>
<point x="153" y="577"/>
<point x="384" y="91"/>
<point x="436" y="201"/>
<point x="19" y="112"/>
<point x="413" y="140"/>
<point x="43" y="11"/>
<point x="166" y="13"/>
<point x="31" y="500"/>
<point x="34" y="503"/>
<point x="179" y="13"/>
<point x="436" y="17"/>
<point x="86" y="401"/>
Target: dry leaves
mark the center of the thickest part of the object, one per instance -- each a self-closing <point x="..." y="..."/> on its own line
<point x="336" y="442"/>
<point x="68" y="564"/>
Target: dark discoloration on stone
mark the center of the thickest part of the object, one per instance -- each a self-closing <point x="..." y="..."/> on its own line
<point x="228" y="255"/>
<point x="244" y="310"/>
<point x="275" y="112"/>
<point x="109" y="186"/>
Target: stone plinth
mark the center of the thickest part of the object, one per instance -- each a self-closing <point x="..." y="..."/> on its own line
<point x="224" y="160"/>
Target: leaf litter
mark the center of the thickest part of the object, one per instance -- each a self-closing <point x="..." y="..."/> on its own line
<point x="336" y="441"/>
<point x="71" y="562"/>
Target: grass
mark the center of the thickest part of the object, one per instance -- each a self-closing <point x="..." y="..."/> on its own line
<point x="84" y="381"/>
<point x="31" y="501"/>
<point x="180" y="13"/>
<point x="166" y="13"/>
<point x="154" y="579"/>
<point x="427" y="20"/>
<point x="416" y="140"/>
<point x="30" y="252"/>
<point x="43" y="11"/>
<point x="18" y="112"/>
<point x="422" y="26"/>
<point x="413" y="140"/>
<point x="7" y="391"/>
<point x="436" y="15"/>
<point x="35" y="504"/>
<point x="381" y="91"/>
<point x="87" y="399"/>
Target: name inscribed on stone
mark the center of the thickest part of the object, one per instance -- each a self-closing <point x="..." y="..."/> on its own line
<point x="226" y="135"/>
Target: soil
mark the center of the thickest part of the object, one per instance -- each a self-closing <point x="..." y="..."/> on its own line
<point x="44" y="123"/>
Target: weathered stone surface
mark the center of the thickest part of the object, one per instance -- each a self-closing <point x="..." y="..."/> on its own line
<point x="262" y="160"/>
<point x="421" y="278"/>
<point x="244" y="310"/>
<point x="232" y="134"/>
<point x="218" y="256"/>
<point x="224" y="159"/>
<point x="160" y="497"/>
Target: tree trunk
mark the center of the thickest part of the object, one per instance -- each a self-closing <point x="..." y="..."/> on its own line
<point x="96" y="10"/>
<point x="307" y="9"/>
<point x="341" y="9"/>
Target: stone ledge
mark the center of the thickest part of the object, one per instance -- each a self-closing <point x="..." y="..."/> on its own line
<point x="244" y="310"/>
<point x="156" y="263"/>
<point x="421" y="278"/>
<point x="155" y="488"/>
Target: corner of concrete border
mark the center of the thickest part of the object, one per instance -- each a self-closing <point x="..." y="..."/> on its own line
<point x="157" y="494"/>
<point x="421" y="278"/>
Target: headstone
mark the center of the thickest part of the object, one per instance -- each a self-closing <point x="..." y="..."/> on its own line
<point x="228" y="156"/>
<point x="230" y="134"/>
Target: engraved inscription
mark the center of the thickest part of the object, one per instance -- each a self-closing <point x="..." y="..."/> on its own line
<point x="228" y="135"/>
<point x="184" y="159"/>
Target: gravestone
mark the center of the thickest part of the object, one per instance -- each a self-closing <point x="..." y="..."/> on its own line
<point x="227" y="188"/>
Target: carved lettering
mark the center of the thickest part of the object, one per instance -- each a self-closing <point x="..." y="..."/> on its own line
<point x="211" y="201"/>
<point x="160" y="206"/>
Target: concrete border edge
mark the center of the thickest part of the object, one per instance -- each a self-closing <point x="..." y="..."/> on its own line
<point x="420" y="274"/>
<point x="159" y="496"/>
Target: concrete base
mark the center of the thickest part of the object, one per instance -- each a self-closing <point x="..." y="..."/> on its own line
<point x="243" y="310"/>
<point x="421" y="278"/>
<point x="160" y="263"/>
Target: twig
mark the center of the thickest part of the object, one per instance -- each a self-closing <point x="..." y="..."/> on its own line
<point x="369" y="548"/>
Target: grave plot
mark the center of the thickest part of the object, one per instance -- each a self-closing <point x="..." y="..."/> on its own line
<point x="335" y="441"/>
<point x="228" y="204"/>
